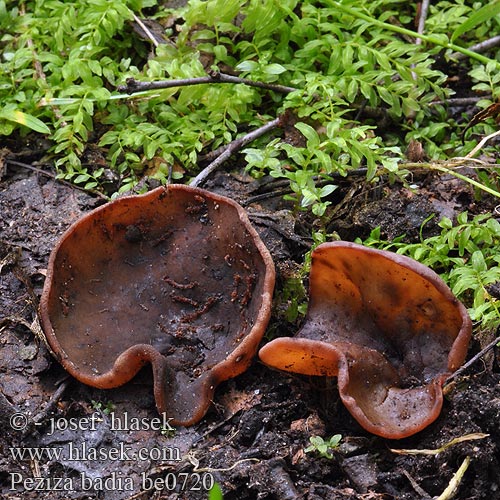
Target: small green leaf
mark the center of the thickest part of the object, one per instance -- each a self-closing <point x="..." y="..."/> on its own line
<point x="478" y="262"/>
<point x="326" y="190"/>
<point x="81" y="178"/>
<point x="463" y="240"/>
<point x="95" y="67"/>
<point x="215" y="492"/>
<point x="274" y="69"/>
<point x="220" y="52"/>
<point x="335" y="440"/>
<point x="309" y="133"/>
<point x="385" y="95"/>
<point x="391" y="164"/>
<point x="247" y="66"/>
<point x="352" y="90"/>
<point x="462" y="218"/>
<point x="445" y="223"/>
<point x="320" y="208"/>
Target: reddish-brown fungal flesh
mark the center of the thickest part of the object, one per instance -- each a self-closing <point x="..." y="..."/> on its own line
<point x="177" y="278"/>
<point x="388" y="327"/>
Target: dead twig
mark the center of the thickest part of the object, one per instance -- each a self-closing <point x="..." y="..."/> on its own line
<point x="436" y="451"/>
<point x="451" y="166"/>
<point x="54" y="176"/>
<point x="266" y="196"/>
<point x="424" y="9"/>
<point x="277" y="188"/>
<point x="460" y="101"/>
<point x="54" y="399"/>
<point x="471" y="361"/>
<point x="191" y="458"/>
<point x="263" y="220"/>
<point x="132" y="85"/>
<point x="479" y="47"/>
<point x="139" y="495"/>
<point x="232" y="147"/>
<point x="419" y="490"/>
<point x="146" y="31"/>
<point x="212" y="155"/>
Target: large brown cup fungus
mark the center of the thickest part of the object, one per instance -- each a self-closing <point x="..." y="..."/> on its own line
<point x="177" y="278"/>
<point x="387" y="326"/>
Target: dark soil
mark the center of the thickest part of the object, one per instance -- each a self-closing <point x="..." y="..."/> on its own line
<point x="253" y="438"/>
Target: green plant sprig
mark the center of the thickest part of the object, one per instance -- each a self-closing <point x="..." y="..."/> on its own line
<point x="324" y="447"/>
<point x="440" y="41"/>
<point x="62" y="60"/>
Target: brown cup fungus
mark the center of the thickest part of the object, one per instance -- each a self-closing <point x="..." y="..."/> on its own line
<point x="177" y="278"/>
<point x="387" y="326"/>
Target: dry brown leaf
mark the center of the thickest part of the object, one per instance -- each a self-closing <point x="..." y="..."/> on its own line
<point x="490" y="111"/>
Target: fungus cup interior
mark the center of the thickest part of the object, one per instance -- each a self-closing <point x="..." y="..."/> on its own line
<point x="387" y="326"/>
<point x="177" y="278"/>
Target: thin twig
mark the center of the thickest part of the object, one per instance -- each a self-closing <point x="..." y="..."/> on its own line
<point x="275" y="193"/>
<point x="132" y="85"/>
<point x="232" y="147"/>
<point x="460" y="101"/>
<point x="453" y="163"/>
<point x="262" y="219"/>
<point x="212" y="155"/>
<point x="479" y="47"/>
<point x="424" y="9"/>
<point x="53" y="176"/>
<point x="135" y="496"/>
<point x="146" y="31"/>
<point x="54" y="399"/>
<point x="420" y="491"/>
<point x="451" y="166"/>
<point x="471" y="361"/>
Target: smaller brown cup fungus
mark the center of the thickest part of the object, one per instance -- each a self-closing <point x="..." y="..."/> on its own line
<point x="387" y="326"/>
<point x="177" y="278"/>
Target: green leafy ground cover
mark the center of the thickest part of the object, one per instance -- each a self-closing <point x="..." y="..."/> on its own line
<point x="357" y="89"/>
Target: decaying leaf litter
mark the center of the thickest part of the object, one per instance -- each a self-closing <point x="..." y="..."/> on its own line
<point x="253" y="440"/>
